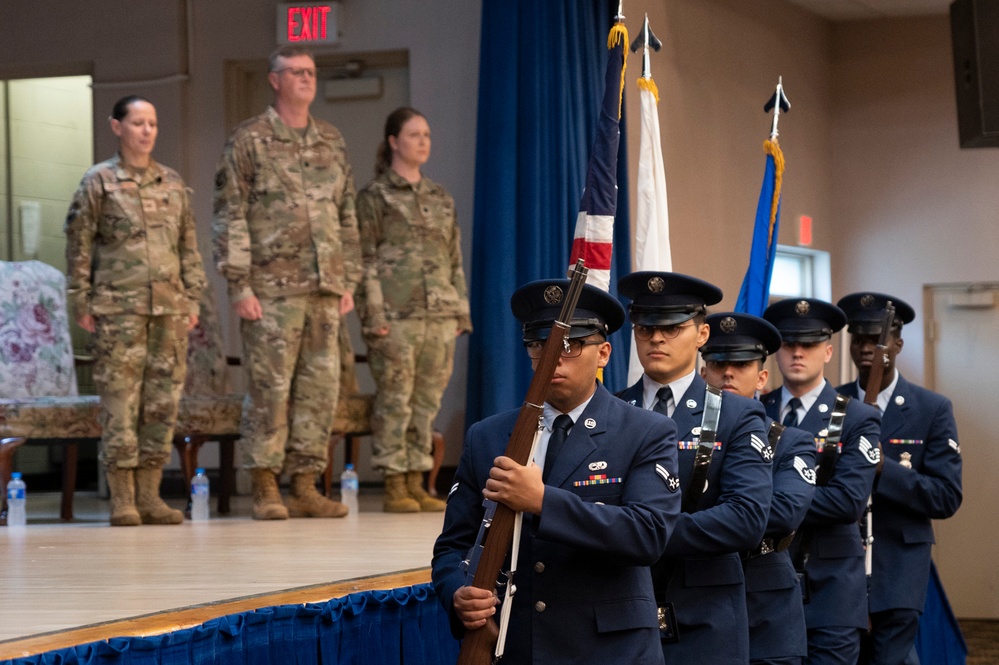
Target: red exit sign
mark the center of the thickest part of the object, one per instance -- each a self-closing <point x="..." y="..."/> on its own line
<point x="308" y="23"/>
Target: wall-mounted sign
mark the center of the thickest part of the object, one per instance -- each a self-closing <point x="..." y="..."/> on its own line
<point x="308" y="23"/>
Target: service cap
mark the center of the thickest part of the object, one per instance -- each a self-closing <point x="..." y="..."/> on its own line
<point x="865" y="312"/>
<point x="738" y="336"/>
<point x="666" y="298"/>
<point x="805" y="319"/>
<point x="537" y="306"/>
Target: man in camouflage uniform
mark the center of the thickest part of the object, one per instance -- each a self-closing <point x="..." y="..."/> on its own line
<point x="413" y="302"/>
<point x="135" y="281"/>
<point x="285" y="237"/>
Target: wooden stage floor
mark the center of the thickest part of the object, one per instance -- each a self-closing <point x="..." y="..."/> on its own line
<point x="70" y="583"/>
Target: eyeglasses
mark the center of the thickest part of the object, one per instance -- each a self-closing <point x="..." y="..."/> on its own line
<point x="572" y="348"/>
<point x="645" y="333"/>
<point x="298" y="72"/>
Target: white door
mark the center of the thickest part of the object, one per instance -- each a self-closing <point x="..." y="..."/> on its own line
<point x="962" y="362"/>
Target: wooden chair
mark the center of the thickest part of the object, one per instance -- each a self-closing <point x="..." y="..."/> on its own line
<point x="353" y="418"/>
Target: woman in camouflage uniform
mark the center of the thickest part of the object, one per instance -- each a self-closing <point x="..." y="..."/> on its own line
<point x="135" y="280"/>
<point x="412" y="302"/>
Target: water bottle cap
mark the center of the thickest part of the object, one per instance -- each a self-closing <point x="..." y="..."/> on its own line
<point x="199" y="472"/>
<point x="349" y="467"/>
<point x="15" y="475"/>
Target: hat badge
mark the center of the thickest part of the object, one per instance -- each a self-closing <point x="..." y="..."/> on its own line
<point x="802" y="307"/>
<point x="657" y="284"/>
<point x="728" y="325"/>
<point x="867" y="300"/>
<point x="553" y="295"/>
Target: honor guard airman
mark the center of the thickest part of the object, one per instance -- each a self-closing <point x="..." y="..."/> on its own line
<point x="919" y="482"/>
<point x="733" y="361"/>
<point x="599" y="504"/>
<point x="724" y="465"/>
<point x="827" y="550"/>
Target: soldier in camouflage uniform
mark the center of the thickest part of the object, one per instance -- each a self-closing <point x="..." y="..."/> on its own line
<point x="285" y="237"/>
<point x="135" y="280"/>
<point x="413" y="303"/>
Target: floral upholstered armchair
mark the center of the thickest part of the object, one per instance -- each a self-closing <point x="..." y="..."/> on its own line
<point x="36" y="352"/>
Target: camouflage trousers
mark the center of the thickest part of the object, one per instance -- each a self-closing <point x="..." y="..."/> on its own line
<point x="292" y="360"/>
<point x="411" y="367"/>
<point x="139" y="367"/>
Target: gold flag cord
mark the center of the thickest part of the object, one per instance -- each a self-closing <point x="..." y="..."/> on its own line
<point x="619" y="35"/>
<point x="772" y="148"/>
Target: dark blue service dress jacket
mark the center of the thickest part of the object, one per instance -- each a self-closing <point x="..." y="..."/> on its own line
<point x="700" y="572"/>
<point x="836" y="577"/>
<point x="773" y="597"/>
<point x="918" y="426"/>
<point x="584" y="592"/>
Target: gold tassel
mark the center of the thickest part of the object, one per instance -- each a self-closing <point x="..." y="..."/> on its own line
<point x="619" y="35"/>
<point x="771" y="147"/>
<point x="650" y="85"/>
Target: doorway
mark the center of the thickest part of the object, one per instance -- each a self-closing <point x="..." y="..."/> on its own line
<point x="962" y="363"/>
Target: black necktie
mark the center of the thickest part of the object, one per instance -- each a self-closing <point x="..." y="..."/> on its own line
<point x="663" y="396"/>
<point x="791" y="419"/>
<point x="560" y="430"/>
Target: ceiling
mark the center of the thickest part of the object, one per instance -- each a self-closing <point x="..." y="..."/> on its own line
<point x="851" y="10"/>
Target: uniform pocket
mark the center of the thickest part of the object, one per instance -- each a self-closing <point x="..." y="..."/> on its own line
<point x="625" y="614"/>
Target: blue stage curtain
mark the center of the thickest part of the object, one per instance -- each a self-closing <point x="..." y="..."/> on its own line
<point x="541" y="72"/>
<point x="400" y="626"/>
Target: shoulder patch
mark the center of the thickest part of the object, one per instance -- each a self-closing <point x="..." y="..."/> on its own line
<point x="871" y="452"/>
<point x="672" y="482"/>
<point x="762" y="447"/>
<point x="806" y="472"/>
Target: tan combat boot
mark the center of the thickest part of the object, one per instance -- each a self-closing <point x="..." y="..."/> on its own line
<point x="266" y="496"/>
<point x="152" y="508"/>
<point x="414" y="485"/>
<point x="397" y="499"/>
<point x="306" y="501"/>
<point x="121" y="484"/>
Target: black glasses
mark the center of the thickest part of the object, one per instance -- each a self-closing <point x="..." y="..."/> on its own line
<point x="571" y="349"/>
<point x="298" y="72"/>
<point x="645" y="333"/>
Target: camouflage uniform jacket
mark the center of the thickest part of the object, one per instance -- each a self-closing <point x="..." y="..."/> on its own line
<point x="284" y="219"/>
<point x="131" y="243"/>
<point x="412" y="253"/>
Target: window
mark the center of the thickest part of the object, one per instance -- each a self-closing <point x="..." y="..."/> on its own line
<point x="800" y="272"/>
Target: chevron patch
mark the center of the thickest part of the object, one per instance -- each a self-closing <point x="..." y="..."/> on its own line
<point x="762" y="447"/>
<point x="955" y="445"/>
<point x="871" y="452"/>
<point x="452" y="490"/>
<point x="806" y="472"/>
<point x="672" y="482"/>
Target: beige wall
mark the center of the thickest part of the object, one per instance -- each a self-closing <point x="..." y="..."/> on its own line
<point x="912" y="207"/>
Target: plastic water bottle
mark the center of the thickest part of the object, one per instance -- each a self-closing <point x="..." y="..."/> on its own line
<point x="348" y="490"/>
<point x="199" y="496"/>
<point x="16" y="491"/>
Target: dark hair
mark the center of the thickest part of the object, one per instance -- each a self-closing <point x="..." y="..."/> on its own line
<point x="288" y="51"/>
<point x="120" y="109"/>
<point x="393" y="125"/>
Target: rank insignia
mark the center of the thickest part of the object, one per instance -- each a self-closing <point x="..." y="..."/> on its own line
<point x="871" y="452"/>
<point x="762" y="447"/>
<point x="806" y="472"/>
<point x="453" y="489"/>
<point x="954" y="444"/>
<point x="672" y="482"/>
<point x="906" y="460"/>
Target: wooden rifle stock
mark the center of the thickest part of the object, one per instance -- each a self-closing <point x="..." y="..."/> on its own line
<point x="881" y="358"/>
<point x="478" y="645"/>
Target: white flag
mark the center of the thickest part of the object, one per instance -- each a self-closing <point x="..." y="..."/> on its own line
<point x="652" y="250"/>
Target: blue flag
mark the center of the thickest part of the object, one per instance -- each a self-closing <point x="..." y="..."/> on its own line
<point x="755" y="291"/>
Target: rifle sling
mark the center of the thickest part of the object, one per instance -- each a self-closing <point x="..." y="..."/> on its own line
<point x="705" y="447"/>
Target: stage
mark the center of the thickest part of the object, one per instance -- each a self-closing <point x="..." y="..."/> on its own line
<point x="69" y="583"/>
